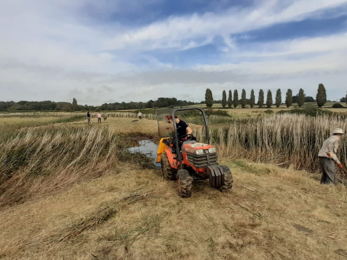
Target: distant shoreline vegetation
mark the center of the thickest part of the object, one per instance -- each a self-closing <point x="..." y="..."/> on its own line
<point x="48" y="105"/>
<point x="32" y="106"/>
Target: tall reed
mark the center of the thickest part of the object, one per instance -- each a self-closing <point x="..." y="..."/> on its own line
<point x="281" y="139"/>
<point x="75" y="114"/>
<point x="38" y="160"/>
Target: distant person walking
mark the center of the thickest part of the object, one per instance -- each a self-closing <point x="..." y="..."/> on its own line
<point x="139" y="115"/>
<point x="88" y="117"/>
<point x="99" y="117"/>
<point x="327" y="157"/>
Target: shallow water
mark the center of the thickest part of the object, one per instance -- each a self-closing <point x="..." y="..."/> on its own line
<point x="147" y="147"/>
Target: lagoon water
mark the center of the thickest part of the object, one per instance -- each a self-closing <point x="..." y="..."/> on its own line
<point x="147" y="147"/>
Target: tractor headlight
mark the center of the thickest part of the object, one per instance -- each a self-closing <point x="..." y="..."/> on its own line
<point x="212" y="150"/>
<point x="199" y="151"/>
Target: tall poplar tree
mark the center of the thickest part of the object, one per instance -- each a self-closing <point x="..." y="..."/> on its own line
<point x="289" y="98"/>
<point x="224" y="99"/>
<point x="321" y="97"/>
<point x="269" y="99"/>
<point x="209" y="98"/>
<point x="243" y="99"/>
<point x="278" y="98"/>
<point x="236" y="98"/>
<point x="252" y="99"/>
<point x="261" y="98"/>
<point x="301" y="98"/>
<point x="74" y="104"/>
<point x="230" y="99"/>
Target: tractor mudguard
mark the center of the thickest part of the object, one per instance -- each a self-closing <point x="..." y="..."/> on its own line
<point x="216" y="176"/>
<point x="161" y="148"/>
<point x="172" y="158"/>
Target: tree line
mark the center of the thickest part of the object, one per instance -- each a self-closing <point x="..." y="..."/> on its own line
<point x="67" y="106"/>
<point x="159" y="103"/>
<point x="43" y="106"/>
<point x="230" y="100"/>
<point x="233" y="99"/>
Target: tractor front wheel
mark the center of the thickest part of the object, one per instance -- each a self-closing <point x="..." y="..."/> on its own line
<point x="228" y="179"/>
<point x="168" y="172"/>
<point x="185" y="183"/>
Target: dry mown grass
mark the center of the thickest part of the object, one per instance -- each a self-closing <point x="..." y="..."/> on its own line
<point x="271" y="213"/>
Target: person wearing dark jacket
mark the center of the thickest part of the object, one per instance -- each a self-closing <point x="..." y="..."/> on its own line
<point x="88" y="117"/>
<point x="182" y="127"/>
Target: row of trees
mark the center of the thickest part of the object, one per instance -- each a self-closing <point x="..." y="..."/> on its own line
<point x="160" y="102"/>
<point x="42" y="106"/>
<point x="66" y="106"/>
<point x="233" y="98"/>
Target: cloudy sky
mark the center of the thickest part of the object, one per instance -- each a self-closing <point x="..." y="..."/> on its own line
<point x="136" y="50"/>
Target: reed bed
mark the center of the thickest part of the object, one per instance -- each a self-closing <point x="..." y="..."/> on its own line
<point x="35" y="161"/>
<point x="282" y="139"/>
<point x="75" y="114"/>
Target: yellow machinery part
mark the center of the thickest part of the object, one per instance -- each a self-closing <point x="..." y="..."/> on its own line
<point x="161" y="148"/>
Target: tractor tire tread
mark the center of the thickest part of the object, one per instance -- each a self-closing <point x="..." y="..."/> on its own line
<point x="167" y="171"/>
<point x="228" y="179"/>
<point x="185" y="183"/>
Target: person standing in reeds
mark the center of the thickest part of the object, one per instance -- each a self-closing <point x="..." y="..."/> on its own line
<point x="327" y="157"/>
<point x="139" y="115"/>
<point x="88" y="117"/>
<point x="99" y="117"/>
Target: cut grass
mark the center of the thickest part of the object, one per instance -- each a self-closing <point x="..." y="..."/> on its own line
<point x="137" y="215"/>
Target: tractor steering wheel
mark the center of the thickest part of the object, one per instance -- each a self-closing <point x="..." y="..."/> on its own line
<point x="189" y="136"/>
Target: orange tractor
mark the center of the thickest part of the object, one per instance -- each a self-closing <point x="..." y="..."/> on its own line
<point x="184" y="159"/>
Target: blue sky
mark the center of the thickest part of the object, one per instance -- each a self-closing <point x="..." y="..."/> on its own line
<point x="114" y="51"/>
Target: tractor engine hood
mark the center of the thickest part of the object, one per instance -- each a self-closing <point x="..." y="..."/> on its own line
<point x="198" y="148"/>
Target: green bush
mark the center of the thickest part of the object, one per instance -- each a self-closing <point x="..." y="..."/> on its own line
<point x="269" y="111"/>
<point x="338" y="105"/>
<point x="308" y="111"/>
<point x="210" y="112"/>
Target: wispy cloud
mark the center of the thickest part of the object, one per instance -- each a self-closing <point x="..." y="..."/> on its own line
<point x="56" y="49"/>
<point x="177" y="32"/>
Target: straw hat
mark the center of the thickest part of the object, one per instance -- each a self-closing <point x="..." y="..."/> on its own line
<point x="338" y="131"/>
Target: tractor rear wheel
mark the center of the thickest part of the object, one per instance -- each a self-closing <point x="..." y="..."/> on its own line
<point x="228" y="179"/>
<point x="168" y="172"/>
<point x="185" y="183"/>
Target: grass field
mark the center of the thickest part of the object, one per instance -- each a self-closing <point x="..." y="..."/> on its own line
<point x="125" y="125"/>
<point x="107" y="205"/>
<point x="25" y="120"/>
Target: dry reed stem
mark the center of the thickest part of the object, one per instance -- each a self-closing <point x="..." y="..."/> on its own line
<point x="278" y="139"/>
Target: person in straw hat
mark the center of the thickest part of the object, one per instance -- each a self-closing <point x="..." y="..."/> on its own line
<point x="327" y="157"/>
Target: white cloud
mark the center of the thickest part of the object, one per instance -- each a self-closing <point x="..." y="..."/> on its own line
<point x="176" y="32"/>
<point x="53" y="50"/>
<point x="289" y="58"/>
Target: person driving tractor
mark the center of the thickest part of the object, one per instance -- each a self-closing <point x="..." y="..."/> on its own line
<point x="182" y="127"/>
<point x="184" y="159"/>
